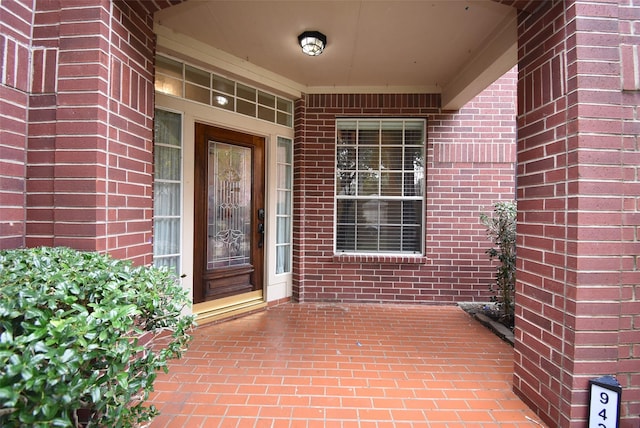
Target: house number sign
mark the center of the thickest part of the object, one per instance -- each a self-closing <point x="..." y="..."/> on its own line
<point x="604" y="402"/>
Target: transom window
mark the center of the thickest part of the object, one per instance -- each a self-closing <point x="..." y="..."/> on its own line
<point x="174" y="77"/>
<point x="379" y="192"/>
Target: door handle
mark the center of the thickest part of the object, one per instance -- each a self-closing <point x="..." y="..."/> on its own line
<point x="261" y="232"/>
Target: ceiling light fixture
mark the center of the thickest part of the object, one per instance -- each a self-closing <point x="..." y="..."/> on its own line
<point x="312" y="42"/>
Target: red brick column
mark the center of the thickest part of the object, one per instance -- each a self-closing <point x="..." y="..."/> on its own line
<point x="15" y="32"/>
<point x="578" y="297"/>
<point x="90" y="128"/>
<point x="300" y="148"/>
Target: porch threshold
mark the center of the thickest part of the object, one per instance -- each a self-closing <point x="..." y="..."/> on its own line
<point x="228" y="307"/>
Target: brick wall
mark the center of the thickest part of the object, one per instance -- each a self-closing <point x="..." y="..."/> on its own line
<point x="130" y="134"/>
<point x="577" y="292"/>
<point x="15" y="31"/>
<point x="85" y="111"/>
<point x="470" y="165"/>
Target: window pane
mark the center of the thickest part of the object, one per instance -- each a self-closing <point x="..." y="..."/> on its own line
<point x="368" y="182"/>
<point x="285" y="119"/>
<point x="389" y="238"/>
<point x="284" y="177"/>
<point x="369" y="158"/>
<point x="283" y="259"/>
<point x="284" y="202"/>
<point x="346" y="211"/>
<point x="393" y="212"/>
<point x="346" y="158"/>
<point x="223" y="85"/>
<point x="283" y="230"/>
<point x="172" y="262"/>
<point x="285" y="105"/>
<point x="392" y="137"/>
<point x="168" y="85"/>
<point x="166" y="239"/>
<point x="391" y="184"/>
<point x="246" y="92"/>
<point x="392" y="158"/>
<point x="369" y="137"/>
<point x="197" y="76"/>
<point x="413" y="158"/>
<point x="284" y="150"/>
<point x="414" y="135"/>
<point x="167" y="128"/>
<point x="169" y="67"/>
<point x="412" y="213"/>
<point x="347" y="136"/>
<point x="167" y="163"/>
<point x="411" y="239"/>
<point x="266" y="100"/>
<point x="246" y="107"/>
<point x="346" y="237"/>
<point x="166" y="199"/>
<point x="367" y="239"/>
<point x="196" y="93"/>
<point x="266" y="114"/>
<point x="369" y="212"/>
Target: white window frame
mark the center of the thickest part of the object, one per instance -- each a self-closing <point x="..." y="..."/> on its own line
<point x="339" y="193"/>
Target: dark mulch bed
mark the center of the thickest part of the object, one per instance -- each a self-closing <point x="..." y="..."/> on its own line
<point x="490" y="315"/>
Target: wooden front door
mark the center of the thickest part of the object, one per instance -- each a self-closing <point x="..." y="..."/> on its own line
<point x="229" y="213"/>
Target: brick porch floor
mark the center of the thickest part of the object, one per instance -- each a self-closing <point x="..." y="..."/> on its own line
<point x="325" y="365"/>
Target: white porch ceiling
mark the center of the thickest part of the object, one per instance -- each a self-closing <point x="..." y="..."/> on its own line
<point x="452" y="47"/>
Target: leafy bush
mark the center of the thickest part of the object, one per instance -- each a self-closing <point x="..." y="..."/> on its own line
<point x="83" y="333"/>
<point x="501" y="229"/>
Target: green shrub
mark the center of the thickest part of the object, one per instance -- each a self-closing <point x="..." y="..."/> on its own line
<point x="83" y="333"/>
<point x="501" y="229"/>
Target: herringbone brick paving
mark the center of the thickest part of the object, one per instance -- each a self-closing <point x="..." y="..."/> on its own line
<point x="334" y="365"/>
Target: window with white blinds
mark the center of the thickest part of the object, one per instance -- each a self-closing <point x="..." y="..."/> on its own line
<point x="167" y="189"/>
<point x="379" y="192"/>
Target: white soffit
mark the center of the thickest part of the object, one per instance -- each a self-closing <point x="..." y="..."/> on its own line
<point x="453" y="47"/>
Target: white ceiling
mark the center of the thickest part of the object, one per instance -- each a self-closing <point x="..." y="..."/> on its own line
<point x="453" y="47"/>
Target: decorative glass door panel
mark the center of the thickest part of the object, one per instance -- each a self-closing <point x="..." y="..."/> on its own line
<point x="229" y="211"/>
<point x="229" y="214"/>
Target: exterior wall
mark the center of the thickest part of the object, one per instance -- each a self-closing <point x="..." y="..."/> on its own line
<point x="15" y="32"/>
<point x="84" y="109"/>
<point x="577" y="292"/>
<point x="90" y="154"/>
<point x="470" y="165"/>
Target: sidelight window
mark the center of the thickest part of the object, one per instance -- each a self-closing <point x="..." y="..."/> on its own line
<point x="379" y="192"/>
<point x="167" y="188"/>
<point x="284" y="211"/>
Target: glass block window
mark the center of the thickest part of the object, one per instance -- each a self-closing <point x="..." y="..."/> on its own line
<point x="167" y="189"/>
<point x="379" y="191"/>
<point x="284" y="210"/>
<point x="174" y="77"/>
